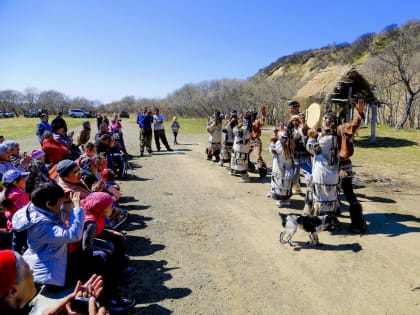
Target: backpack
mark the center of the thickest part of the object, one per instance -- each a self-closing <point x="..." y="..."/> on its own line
<point x="346" y="144"/>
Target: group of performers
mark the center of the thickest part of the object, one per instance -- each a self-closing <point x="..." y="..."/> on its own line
<point x="233" y="141"/>
<point x="322" y="154"/>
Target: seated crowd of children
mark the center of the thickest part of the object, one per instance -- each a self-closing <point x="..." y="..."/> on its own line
<point x="60" y="212"/>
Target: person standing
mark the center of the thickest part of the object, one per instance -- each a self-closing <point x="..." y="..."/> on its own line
<point x="282" y="145"/>
<point x="256" y="143"/>
<point x="99" y="120"/>
<point x="302" y="158"/>
<point x="175" y="128"/>
<point x="214" y="128"/>
<point x="159" y="130"/>
<point x="84" y="134"/>
<point x="226" y="152"/>
<point x="145" y="120"/>
<point x="42" y="126"/>
<point x="322" y="195"/>
<point x="345" y="135"/>
<point x="116" y="128"/>
<point x="240" y="149"/>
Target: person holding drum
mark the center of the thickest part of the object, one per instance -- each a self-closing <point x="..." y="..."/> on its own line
<point x="322" y="197"/>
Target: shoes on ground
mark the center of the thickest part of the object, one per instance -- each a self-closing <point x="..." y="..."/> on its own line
<point x="120" y="305"/>
<point x="141" y="154"/>
<point x="169" y="150"/>
<point x="268" y="195"/>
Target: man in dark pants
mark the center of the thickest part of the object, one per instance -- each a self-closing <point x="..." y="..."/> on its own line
<point x="345" y="135"/>
<point x="145" y="120"/>
<point x="159" y="130"/>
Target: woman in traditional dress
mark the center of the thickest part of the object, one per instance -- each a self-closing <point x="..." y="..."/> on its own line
<point x="214" y="128"/>
<point x="282" y="147"/>
<point x="325" y="174"/>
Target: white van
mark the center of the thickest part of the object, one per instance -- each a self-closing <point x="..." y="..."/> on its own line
<point x="77" y="113"/>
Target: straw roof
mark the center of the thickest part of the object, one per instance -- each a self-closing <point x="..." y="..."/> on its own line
<point x="334" y="85"/>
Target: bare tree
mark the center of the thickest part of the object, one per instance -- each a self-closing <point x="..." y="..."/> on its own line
<point x="53" y="101"/>
<point x="399" y="56"/>
<point x="10" y="100"/>
<point x="30" y="98"/>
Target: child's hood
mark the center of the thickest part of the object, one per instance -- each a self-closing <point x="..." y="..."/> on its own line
<point x="27" y="217"/>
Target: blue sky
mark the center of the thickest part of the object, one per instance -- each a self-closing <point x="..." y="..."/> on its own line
<point x="107" y="49"/>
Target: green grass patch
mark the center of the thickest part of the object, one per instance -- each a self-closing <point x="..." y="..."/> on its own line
<point x="21" y="128"/>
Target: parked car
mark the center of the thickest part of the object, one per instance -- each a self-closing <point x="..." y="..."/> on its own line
<point x="124" y="114"/>
<point x="89" y="114"/>
<point x="1" y="114"/>
<point x="31" y="113"/>
<point x="78" y="113"/>
<point x="34" y="113"/>
<point x="9" y="115"/>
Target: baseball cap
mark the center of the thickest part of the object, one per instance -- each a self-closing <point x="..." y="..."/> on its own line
<point x="11" y="175"/>
<point x="3" y="147"/>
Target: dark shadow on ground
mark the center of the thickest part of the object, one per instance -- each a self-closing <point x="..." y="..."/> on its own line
<point x="295" y="204"/>
<point x="384" y="142"/>
<point x="377" y="199"/>
<point x="174" y="152"/>
<point x="125" y="199"/>
<point x="152" y="309"/>
<point x="354" y="247"/>
<point x="135" y="222"/>
<point x="141" y="246"/>
<point x="148" y="285"/>
<point x="132" y="177"/>
<point x="391" y="224"/>
<point x="186" y="144"/>
<point x="135" y="207"/>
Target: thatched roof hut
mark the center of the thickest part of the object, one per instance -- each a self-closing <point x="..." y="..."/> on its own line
<point x="335" y="87"/>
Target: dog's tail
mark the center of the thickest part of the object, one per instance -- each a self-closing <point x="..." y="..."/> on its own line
<point x="283" y="219"/>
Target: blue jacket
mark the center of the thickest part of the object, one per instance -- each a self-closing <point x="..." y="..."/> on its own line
<point x="48" y="238"/>
<point x="40" y="128"/>
<point x="144" y="121"/>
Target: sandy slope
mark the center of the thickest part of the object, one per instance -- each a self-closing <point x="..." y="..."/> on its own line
<point x="205" y="244"/>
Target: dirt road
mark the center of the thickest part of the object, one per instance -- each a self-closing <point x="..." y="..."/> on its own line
<point x="203" y="243"/>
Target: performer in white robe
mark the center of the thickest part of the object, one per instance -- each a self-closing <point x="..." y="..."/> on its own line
<point x="214" y="128"/>
<point x="283" y="167"/>
<point x="240" y="149"/>
<point x="229" y="137"/>
<point x="325" y="172"/>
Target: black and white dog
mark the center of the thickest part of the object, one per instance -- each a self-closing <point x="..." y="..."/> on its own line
<point x="311" y="224"/>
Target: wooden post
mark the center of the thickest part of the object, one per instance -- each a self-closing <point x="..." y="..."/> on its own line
<point x="373" y="123"/>
<point x="349" y="114"/>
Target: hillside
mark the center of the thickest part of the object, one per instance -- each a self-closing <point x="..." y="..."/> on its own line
<point x="387" y="60"/>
